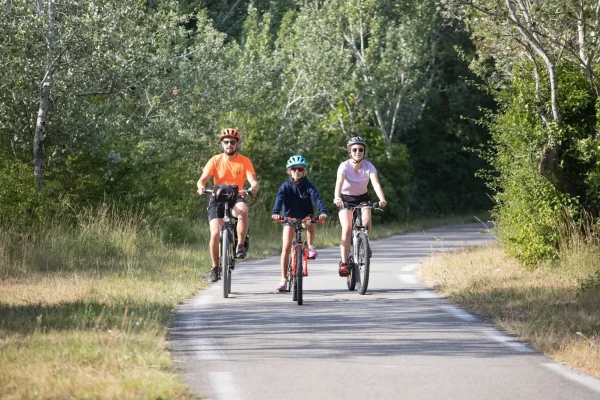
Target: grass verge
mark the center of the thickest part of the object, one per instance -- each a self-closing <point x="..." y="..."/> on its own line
<point x="85" y="309"/>
<point x="544" y="307"/>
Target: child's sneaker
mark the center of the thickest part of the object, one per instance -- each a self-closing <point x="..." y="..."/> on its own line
<point x="282" y="286"/>
<point x="312" y="252"/>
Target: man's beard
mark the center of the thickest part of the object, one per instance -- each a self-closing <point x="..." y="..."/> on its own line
<point x="230" y="151"/>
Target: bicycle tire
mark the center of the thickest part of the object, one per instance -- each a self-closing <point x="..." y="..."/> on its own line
<point x="351" y="278"/>
<point x="232" y="247"/>
<point x="225" y="257"/>
<point x="290" y="279"/>
<point x="364" y="262"/>
<point x="299" y="273"/>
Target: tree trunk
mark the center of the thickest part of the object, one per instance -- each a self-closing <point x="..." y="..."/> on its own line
<point x="46" y="86"/>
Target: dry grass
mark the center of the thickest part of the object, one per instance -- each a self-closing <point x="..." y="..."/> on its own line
<point x="85" y="309"/>
<point x="543" y="306"/>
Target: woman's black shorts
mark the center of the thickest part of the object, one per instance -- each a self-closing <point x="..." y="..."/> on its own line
<point x="354" y="201"/>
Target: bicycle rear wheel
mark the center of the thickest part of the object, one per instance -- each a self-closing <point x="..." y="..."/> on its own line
<point x="299" y="272"/>
<point x="363" y="263"/>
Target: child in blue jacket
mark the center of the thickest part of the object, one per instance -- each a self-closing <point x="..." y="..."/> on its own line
<point x="297" y="196"/>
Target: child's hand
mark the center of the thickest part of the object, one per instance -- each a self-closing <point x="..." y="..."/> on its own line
<point x="275" y="217"/>
<point x="322" y="217"/>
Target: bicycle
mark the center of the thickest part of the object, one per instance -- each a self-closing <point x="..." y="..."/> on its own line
<point x="228" y="240"/>
<point x="298" y="264"/>
<point x="359" y="257"/>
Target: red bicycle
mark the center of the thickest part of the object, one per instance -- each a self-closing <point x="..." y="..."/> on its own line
<point x="298" y="264"/>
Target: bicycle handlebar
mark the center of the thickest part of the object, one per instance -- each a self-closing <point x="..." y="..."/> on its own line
<point x="244" y="192"/>
<point x="298" y="221"/>
<point x="369" y="204"/>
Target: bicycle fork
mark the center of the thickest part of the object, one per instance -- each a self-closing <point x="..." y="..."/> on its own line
<point x="304" y="259"/>
<point x="355" y="245"/>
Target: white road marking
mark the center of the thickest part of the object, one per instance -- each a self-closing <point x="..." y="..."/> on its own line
<point x="201" y="348"/>
<point x="223" y="386"/>
<point x="427" y="294"/>
<point x="459" y="313"/>
<point x="202" y="300"/>
<point x="507" y="341"/>
<point x="410" y="267"/>
<point x="408" y="278"/>
<point x="580" y="377"/>
<point x="205" y="349"/>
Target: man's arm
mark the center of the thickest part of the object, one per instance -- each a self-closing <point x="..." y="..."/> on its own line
<point x="253" y="182"/>
<point x="203" y="180"/>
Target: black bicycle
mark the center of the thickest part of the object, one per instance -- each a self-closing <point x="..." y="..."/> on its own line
<point x="298" y="264"/>
<point x="228" y="240"/>
<point x="359" y="257"/>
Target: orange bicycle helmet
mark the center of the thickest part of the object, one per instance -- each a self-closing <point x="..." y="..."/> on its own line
<point x="229" y="133"/>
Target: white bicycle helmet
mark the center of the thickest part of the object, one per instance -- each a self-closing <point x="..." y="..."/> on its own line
<point x="356" y="140"/>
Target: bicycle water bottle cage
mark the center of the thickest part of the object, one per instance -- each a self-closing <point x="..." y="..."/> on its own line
<point x="225" y="193"/>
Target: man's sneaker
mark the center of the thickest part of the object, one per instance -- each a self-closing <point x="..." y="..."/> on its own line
<point x="282" y="286"/>
<point x="214" y="274"/>
<point x="240" y="252"/>
<point x="344" y="271"/>
<point x="312" y="252"/>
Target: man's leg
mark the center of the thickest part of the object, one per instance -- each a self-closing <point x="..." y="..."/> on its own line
<point x="240" y="211"/>
<point x="215" y="225"/>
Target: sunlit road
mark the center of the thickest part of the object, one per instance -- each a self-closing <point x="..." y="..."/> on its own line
<point x="399" y="341"/>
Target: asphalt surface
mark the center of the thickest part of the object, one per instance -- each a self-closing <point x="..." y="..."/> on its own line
<point x="399" y="341"/>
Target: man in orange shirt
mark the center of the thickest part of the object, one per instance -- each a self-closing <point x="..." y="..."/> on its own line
<point x="229" y="168"/>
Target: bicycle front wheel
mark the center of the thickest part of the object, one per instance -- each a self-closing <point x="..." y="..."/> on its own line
<point x="226" y="253"/>
<point x="363" y="263"/>
<point x="299" y="272"/>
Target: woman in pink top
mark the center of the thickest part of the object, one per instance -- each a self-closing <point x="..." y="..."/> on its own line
<point x="353" y="176"/>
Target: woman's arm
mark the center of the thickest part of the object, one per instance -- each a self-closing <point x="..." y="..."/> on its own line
<point x="338" y="189"/>
<point x="378" y="189"/>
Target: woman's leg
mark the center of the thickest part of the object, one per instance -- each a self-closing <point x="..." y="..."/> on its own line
<point x="346" y="224"/>
<point x="366" y="217"/>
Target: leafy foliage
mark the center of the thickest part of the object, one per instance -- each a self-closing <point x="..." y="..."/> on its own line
<point x="140" y="89"/>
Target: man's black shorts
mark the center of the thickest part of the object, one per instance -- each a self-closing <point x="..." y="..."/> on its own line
<point x="217" y="210"/>
<point x="354" y="201"/>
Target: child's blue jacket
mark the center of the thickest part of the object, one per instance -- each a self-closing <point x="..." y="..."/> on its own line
<point x="297" y="199"/>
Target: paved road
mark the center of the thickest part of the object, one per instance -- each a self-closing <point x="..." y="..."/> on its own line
<point x="401" y="340"/>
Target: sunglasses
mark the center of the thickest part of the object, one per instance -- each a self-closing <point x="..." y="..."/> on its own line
<point x="297" y="169"/>
<point x="358" y="149"/>
<point x="230" y="142"/>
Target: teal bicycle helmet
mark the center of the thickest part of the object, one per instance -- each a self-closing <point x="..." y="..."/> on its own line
<point x="295" y="161"/>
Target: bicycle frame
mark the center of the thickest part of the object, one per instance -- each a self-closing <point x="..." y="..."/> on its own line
<point x="359" y="266"/>
<point x="298" y="242"/>
<point x="357" y="224"/>
<point x="298" y="247"/>
<point x="227" y="232"/>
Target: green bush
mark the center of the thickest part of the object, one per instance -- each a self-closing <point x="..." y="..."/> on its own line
<point x="591" y="283"/>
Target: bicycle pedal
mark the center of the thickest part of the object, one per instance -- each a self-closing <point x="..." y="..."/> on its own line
<point x="312" y="258"/>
